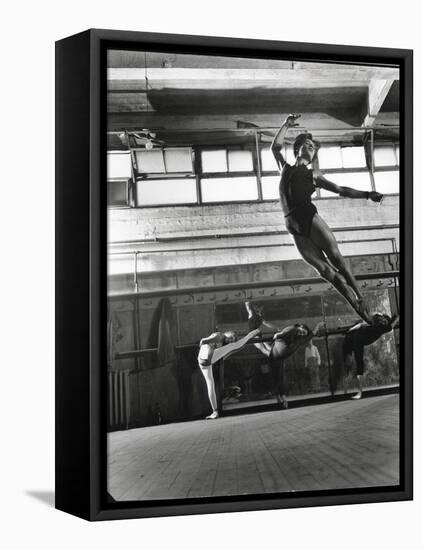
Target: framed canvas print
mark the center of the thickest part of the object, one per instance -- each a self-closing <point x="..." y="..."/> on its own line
<point x="234" y="274"/>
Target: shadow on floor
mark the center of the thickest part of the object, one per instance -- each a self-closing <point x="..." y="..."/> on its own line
<point x="46" y="497"/>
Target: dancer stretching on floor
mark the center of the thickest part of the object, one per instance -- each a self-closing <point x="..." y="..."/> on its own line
<point x="312" y="236"/>
<point x="363" y="334"/>
<point x="284" y="344"/>
<point x="214" y="348"/>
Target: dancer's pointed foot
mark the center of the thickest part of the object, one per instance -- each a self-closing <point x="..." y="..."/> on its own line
<point x="358" y="395"/>
<point x="213" y="416"/>
<point x="282" y="401"/>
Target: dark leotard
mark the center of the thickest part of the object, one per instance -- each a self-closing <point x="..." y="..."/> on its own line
<point x="295" y="190"/>
<point x="356" y="339"/>
<point x="279" y="353"/>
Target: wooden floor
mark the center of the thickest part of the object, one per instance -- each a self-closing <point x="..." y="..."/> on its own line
<point x="347" y="444"/>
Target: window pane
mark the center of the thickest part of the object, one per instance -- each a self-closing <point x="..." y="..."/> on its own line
<point x="330" y="157"/>
<point x="240" y="161"/>
<point x="270" y="187"/>
<point x="178" y="160"/>
<point x="150" y="162"/>
<point x="384" y="155"/>
<point x="229" y="189"/>
<point x="117" y="194"/>
<point x="356" y="180"/>
<point x="214" y="161"/>
<point x="118" y="165"/>
<point x="268" y="162"/>
<point x="353" y="157"/>
<point x="177" y="191"/>
<point x="387" y="182"/>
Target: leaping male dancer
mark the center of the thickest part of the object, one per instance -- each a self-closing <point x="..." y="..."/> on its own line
<point x="312" y="236"/>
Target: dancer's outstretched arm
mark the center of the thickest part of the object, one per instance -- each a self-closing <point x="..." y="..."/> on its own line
<point x="357" y="326"/>
<point x="225" y="351"/>
<point x="269" y="325"/>
<point x="321" y="181"/>
<point x="284" y="332"/>
<point x="299" y="341"/>
<point x="279" y="139"/>
<point x="313" y="333"/>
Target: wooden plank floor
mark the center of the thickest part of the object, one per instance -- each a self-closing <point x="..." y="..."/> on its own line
<point x="340" y="445"/>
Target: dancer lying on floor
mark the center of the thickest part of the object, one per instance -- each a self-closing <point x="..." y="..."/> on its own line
<point x="214" y="348"/>
<point x="312" y="236"/>
<point x="363" y="334"/>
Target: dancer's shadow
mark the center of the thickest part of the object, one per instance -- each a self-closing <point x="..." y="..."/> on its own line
<point x="46" y="497"/>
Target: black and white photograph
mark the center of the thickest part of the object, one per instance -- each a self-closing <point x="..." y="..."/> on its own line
<point x="211" y="275"/>
<point x="253" y="276"/>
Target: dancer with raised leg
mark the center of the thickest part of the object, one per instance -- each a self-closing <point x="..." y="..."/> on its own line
<point x="213" y="349"/>
<point x="313" y="237"/>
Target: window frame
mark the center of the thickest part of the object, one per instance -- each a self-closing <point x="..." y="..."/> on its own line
<point x="251" y="147"/>
<point x="157" y="175"/>
<point x="257" y="171"/>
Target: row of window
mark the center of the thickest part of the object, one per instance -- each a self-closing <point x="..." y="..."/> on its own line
<point x="180" y="160"/>
<point x="173" y="176"/>
<point x="184" y="191"/>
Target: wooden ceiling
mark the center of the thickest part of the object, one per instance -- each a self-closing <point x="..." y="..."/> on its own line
<point x="193" y="98"/>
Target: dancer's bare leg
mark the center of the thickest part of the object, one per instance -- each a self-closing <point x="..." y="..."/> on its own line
<point x="228" y="349"/>
<point x="315" y="257"/>
<point x="359" y="394"/>
<point x="322" y="236"/>
<point x="359" y="361"/>
<point x="276" y="362"/>
<point x="207" y="372"/>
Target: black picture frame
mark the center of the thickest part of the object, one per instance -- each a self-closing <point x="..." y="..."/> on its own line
<point x="81" y="311"/>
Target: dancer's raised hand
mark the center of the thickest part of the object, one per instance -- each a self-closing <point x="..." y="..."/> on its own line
<point x="290" y="120"/>
<point x="319" y="328"/>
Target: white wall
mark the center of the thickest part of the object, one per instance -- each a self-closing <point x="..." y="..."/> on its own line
<point x="28" y="32"/>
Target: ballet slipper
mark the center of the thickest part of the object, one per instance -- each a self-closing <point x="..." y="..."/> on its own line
<point x="213" y="416"/>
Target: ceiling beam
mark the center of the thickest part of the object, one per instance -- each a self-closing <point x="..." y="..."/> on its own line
<point x="377" y="92"/>
<point x="170" y="60"/>
<point x="172" y="122"/>
<point x="253" y="100"/>
<point x="322" y="74"/>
